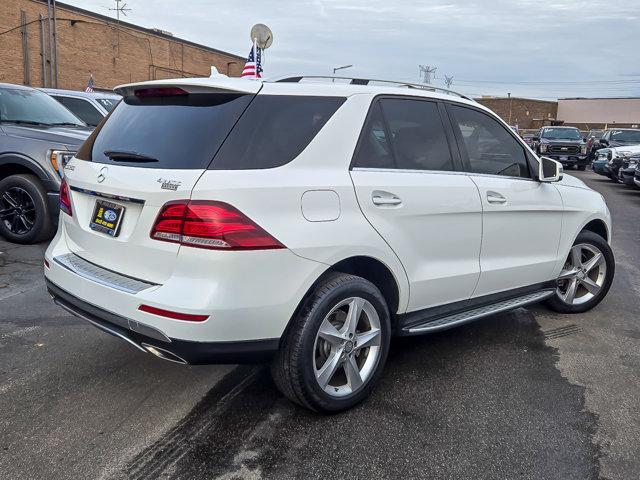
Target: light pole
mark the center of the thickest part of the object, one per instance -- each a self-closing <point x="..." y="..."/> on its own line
<point x="339" y="68"/>
<point x="510" y="103"/>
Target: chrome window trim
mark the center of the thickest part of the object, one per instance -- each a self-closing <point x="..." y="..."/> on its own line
<point x="443" y="172"/>
<point x="107" y="195"/>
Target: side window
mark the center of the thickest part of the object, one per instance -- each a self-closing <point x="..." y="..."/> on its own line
<point x="82" y="109"/>
<point x="415" y="139"/>
<point x="490" y="147"/>
<point x="417" y="133"/>
<point x="374" y="150"/>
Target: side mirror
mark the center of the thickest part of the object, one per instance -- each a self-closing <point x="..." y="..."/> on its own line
<point x="535" y="139"/>
<point x="604" y="141"/>
<point x="549" y="170"/>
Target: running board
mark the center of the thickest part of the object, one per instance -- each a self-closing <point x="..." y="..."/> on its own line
<point x="456" y="319"/>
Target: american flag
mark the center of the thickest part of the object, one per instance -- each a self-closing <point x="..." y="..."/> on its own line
<point x="89" y="88"/>
<point x="253" y="68"/>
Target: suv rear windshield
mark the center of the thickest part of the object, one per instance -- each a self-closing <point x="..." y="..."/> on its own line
<point x="175" y="132"/>
<point x="274" y="130"/>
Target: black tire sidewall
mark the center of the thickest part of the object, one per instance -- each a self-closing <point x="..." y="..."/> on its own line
<point x="357" y="287"/>
<point x="42" y="225"/>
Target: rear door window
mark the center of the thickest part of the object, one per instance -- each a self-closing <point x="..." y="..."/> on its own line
<point x="274" y="130"/>
<point x="173" y="132"/>
<point x="82" y="109"/>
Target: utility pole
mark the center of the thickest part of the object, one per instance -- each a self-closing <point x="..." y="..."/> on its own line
<point x="448" y="81"/>
<point x="510" y="103"/>
<point x="425" y="73"/>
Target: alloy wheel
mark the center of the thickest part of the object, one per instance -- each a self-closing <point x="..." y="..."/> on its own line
<point x="583" y="274"/>
<point x="17" y="210"/>
<point x="347" y="347"/>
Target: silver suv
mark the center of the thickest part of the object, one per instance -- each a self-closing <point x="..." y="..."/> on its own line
<point x="37" y="137"/>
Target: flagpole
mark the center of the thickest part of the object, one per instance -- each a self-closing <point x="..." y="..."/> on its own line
<point x="255" y="58"/>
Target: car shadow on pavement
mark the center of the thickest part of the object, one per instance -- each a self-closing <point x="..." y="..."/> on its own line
<point x="480" y="401"/>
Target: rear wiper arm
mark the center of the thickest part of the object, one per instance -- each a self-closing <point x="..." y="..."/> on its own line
<point x="121" y="156"/>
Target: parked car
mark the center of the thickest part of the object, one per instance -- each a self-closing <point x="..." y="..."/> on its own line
<point x="627" y="170"/>
<point x="599" y="163"/>
<point x="564" y="144"/>
<point x="305" y="223"/>
<point x="89" y="107"/>
<point x="616" y="157"/>
<point x="636" y="178"/>
<point x="619" y="137"/>
<point x="37" y="137"/>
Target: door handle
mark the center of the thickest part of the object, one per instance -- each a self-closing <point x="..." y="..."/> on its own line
<point x="495" y="197"/>
<point x="385" y="199"/>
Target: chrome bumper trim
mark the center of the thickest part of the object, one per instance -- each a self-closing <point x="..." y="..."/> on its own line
<point x="100" y="275"/>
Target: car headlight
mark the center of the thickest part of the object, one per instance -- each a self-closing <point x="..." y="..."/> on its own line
<point x="633" y="162"/>
<point x="625" y="154"/>
<point x="543" y="147"/>
<point x="583" y="150"/>
<point x="58" y="159"/>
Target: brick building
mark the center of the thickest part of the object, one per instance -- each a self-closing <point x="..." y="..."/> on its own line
<point x="523" y="112"/>
<point x="86" y="43"/>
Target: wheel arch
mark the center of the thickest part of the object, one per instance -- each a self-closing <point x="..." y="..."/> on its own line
<point x="13" y="163"/>
<point x="597" y="226"/>
<point x="369" y="268"/>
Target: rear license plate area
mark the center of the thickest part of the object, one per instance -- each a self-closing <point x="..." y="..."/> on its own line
<point x="107" y="217"/>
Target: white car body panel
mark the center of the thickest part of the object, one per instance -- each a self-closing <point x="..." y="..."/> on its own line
<point x="519" y="237"/>
<point x="436" y="230"/>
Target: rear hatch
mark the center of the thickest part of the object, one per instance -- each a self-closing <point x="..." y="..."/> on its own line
<point x="150" y="150"/>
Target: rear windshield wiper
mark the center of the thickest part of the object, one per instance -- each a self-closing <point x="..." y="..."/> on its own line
<point x="122" y="156"/>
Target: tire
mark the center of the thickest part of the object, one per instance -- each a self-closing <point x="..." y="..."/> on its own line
<point x="585" y="295"/>
<point x="305" y="353"/>
<point x="24" y="211"/>
<point x="582" y="168"/>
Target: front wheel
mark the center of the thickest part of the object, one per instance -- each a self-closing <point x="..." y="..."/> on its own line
<point x="582" y="168"/>
<point x="336" y="348"/>
<point x="586" y="276"/>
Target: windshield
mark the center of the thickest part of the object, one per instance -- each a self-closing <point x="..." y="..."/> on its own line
<point x="108" y="103"/>
<point x="625" y="136"/>
<point x="561" y="134"/>
<point x="21" y="105"/>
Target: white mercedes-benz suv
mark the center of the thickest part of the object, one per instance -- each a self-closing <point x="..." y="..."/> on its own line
<point x="305" y="223"/>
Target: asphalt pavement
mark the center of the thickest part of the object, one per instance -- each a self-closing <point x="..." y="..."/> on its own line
<point x="528" y="394"/>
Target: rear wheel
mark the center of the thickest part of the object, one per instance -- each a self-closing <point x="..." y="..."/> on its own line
<point x="586" y="276"/>
<point x="337" y="346"/>
<point x="582" y="168"/>
<point x="24" y="212"/>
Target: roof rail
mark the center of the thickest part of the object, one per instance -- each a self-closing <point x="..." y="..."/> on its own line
<point x="367" y="81"/>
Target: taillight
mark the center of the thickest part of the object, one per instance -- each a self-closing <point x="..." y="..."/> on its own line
<point x="65" y="198"/>
<point x="160" y="92"/>
<point x="210" y="224"/>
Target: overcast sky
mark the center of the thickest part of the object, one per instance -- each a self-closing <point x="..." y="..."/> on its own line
<point x="490" y="47"/>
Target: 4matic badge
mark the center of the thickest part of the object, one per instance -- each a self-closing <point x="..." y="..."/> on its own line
<point x="168" y="184"/>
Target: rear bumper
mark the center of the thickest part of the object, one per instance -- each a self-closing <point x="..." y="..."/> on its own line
<point x="150" y="340"/>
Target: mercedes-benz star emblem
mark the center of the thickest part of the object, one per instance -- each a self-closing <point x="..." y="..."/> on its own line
<point x="103" y="174"/>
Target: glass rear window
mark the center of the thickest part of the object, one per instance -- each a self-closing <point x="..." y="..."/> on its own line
<point x="274" y="130"/>
<point x="174" y="132"/>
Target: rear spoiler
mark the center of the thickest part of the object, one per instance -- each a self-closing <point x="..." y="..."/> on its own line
<point x="217" y="84"/>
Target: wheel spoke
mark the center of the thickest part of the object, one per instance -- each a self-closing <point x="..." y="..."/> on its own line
<point x="352" y="372"/>
<point x="590" y="285"/>
<point x="567" y="274"/>
<point x="571" y="290"/>
<point x="26" y="222"/>
<point x="353" y="316"/>
<point x="7" y="198"/>
<point x="4" y="214"/>
<point x="593" y="262"/>
<point x="330" y="333"/>
<point x="576" y="256"/>
<point x="328" y="370"/>
<point x="368" y="339"/>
